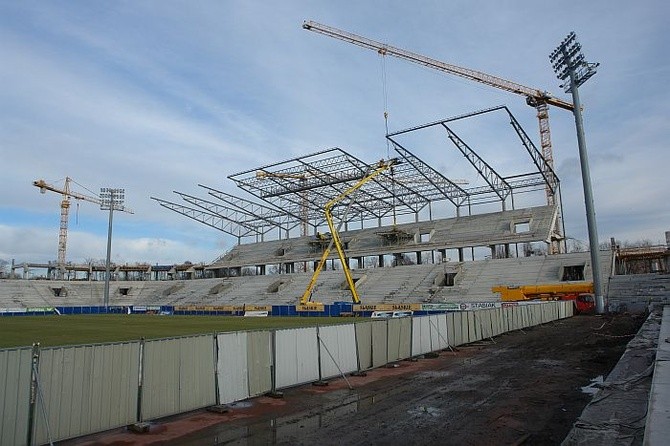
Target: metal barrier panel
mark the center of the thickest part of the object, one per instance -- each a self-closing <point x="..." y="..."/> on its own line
<point x="399" y="338"/>
<point x="259" y="362"/>
<point x="484" y="323"/>
<point x="160" y="382"/>
<point x="451" y="329"/>
<point x="474" y="327"/>
<point x="501" y="324"/>
<point x="231" y="369"/>
<point x="197" y="380"/>
<point x="15" y="369"/>
<point x="379" y="343"/>
<point x="466" y="328"/>
<point x="337" y="350"/>
<point x="296" y="356"/>
<point x="547" y="312"/>
<point x="439" y="337"/>
<point x="86" y="389"/>
<point x="420" y="335"/>
<point x="364" y="345"/>
<point x="178" y="375"/>
<point x="507" y="319"/>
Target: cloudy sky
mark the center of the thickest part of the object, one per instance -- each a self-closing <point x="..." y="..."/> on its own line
<point x="156" y="96"/>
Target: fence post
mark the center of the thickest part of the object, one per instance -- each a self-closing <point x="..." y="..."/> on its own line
<point x="140" y="382"/>
<point x="34" y="365"/>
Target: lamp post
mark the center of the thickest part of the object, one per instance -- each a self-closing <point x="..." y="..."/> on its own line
<point x="111" y="200"/>
<point x="570" y="67"/>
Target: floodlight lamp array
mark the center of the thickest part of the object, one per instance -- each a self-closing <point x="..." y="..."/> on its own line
<point x="568" y="63"/>
<point x="110" y="197"/>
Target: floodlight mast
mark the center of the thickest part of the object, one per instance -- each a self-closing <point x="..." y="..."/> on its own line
<point x="112" y="200"/>
<point x="569" y="64"/>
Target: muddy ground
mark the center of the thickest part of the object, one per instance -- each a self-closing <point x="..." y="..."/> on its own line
<point x="523" y="387"/>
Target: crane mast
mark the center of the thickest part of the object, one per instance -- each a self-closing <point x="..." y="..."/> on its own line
<point x="537" y="98"/>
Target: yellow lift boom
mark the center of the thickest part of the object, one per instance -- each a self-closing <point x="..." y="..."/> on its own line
<point x="335" y="240"/>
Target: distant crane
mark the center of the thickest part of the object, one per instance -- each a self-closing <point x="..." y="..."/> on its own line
<point x="64" y="214"/>
<point x="535" y="97"/>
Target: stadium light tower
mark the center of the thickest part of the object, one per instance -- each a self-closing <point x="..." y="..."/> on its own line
<point x="111" y="200"/>
<point x="570" y="67"/>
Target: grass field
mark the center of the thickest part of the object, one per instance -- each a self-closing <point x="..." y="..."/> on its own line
<point x="54" y="330"/>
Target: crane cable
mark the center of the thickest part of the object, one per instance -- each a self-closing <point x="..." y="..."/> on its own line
<point x="382" y="60"/>
<point x="382" y="53"/>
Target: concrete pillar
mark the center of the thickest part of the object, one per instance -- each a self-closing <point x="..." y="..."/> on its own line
<point x="418" y="257"/>
<point x="381" y="261"/>
<point x="460" y="255"/>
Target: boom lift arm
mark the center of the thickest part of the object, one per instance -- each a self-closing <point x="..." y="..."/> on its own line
<point x="335" y="240"/>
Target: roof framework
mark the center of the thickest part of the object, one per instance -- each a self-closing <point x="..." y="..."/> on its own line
<point x="294" y="192"/>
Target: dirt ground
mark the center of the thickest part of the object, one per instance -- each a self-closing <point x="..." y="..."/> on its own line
<point x="520" y="388"/>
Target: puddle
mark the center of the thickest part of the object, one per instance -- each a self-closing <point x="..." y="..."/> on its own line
<point x="279" y="429"/>
<point x="592" y="388"/>
<point x="240" y="405"/>
<point x="425" y="411"/>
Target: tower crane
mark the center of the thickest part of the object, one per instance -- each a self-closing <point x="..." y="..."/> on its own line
<point x="535" y="97"/>
<point x="64" y="214"/>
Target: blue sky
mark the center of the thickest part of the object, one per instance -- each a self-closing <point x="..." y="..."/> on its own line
<point x="156" y="96"/>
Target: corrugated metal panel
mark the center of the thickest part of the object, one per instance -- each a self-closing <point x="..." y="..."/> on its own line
<point x="439" y="337"/>
<point x="405" y="337"/>
<point x="296" y="356"/>
<point x="454" y="332"/>
<point x="474" y="332"/>
<point x="86" y="389"/>
<point x="15" y="365"/>
<point x="393" y="336"/>
<point x="420" y="335"/>
<point x="379" y="343"/>
<point x="197" y="369"/>
<point x="232" y="367"/>
<point x="160" y="384"/>
<point x="178" y="375"/>
<point x="364" y="345"/>
<point x="259" y="362"/>
<point x="525" y="316"/>
<point x="340" y="342"/>
<point x="499" y="322"/>
<point x="485" y="323"/>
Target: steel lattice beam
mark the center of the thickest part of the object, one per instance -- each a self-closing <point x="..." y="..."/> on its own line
<point x="212" y="220"/>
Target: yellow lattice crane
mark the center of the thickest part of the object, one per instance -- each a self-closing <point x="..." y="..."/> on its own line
<point x="380" y="167"/>
<point x="67" y="194"/>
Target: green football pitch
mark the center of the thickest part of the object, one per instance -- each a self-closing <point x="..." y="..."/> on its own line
<point x="20" y="331"/>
